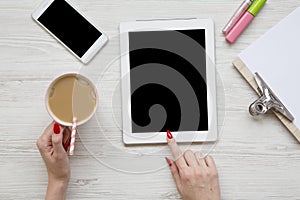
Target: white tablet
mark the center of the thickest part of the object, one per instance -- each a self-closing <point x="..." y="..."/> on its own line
<point x="168" y="81"/>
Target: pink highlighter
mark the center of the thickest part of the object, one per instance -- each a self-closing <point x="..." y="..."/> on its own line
<point x="245" y="20"/>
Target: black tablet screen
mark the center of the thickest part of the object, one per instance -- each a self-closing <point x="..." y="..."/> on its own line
<point x="168" y="80"/>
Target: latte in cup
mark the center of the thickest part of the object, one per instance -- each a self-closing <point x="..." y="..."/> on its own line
<point x="71" y="95"/>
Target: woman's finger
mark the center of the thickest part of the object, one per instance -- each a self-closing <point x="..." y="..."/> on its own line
<point x="210" y="162"/>
<point x="176" y="152"/>
<point x="66" y="138"/>
<point x="190" y="158"/>
<point x="57" y="138"/>
<point x="200" y="159"/>
<point x="66" y="134"/>
<point x="175" y="172"/>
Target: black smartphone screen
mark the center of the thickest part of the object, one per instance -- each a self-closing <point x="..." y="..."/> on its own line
<point x="70" y="27"/>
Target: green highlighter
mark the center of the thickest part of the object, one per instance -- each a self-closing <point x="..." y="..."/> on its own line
<point x="256" y="6"/>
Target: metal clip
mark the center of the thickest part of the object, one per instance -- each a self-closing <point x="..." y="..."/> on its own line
<point x="267" y="101"/>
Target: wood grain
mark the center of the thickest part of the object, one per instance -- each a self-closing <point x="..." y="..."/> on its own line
<point x="257" y="159"/>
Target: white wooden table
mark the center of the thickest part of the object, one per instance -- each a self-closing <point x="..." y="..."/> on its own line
<point x="257" y="159"/>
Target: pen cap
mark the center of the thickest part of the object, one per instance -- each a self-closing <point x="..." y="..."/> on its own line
<point x="256" y="6"/>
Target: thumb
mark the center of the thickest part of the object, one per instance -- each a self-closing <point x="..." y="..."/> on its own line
<point x="57" y="138"/>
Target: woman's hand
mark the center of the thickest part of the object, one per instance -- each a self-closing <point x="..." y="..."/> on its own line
<point x="196" y="178"/>
<point x="53" y="152"/>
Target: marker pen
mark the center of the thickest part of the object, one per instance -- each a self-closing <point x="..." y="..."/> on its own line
<point x="237" y="15"/>
<point x="245" y="20"/>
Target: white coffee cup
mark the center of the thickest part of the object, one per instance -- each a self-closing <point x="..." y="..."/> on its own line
<point x="81" y="81"/>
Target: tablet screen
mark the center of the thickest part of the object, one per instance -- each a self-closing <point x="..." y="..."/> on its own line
<point x="168" y="80"/>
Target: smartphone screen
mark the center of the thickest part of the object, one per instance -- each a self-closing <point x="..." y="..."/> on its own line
<point x="70" y="27"/>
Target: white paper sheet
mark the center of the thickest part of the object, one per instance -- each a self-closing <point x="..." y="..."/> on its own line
<point x="276" y="57"/>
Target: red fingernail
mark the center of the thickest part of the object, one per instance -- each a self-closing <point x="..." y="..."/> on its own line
<point x="169" y="134"/>
<point x="168" y="161"/>
<point x="56" y="128"/>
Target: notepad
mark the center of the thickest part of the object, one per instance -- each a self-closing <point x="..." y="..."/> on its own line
<point x="276" y="57"/>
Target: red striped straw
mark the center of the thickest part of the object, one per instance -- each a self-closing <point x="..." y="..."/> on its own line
<point x="73" y="136"/>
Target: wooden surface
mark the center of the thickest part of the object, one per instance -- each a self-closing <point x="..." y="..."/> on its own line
<point x="257" y="159"/>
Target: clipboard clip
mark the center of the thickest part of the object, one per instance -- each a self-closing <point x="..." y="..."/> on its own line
<point x="267" y="101"/>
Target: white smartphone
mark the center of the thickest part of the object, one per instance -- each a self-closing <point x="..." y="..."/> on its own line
<point x="70" y="28"/>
